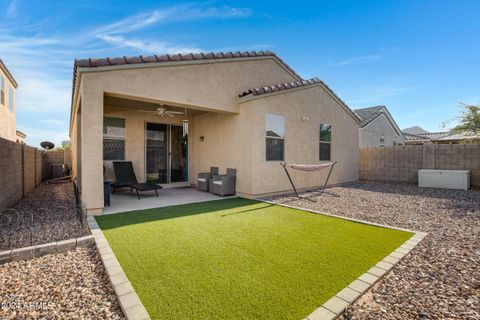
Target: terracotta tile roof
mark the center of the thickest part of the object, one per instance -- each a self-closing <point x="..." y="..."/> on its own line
<point x="102" y="62"/>
<point x="296" y="84"/>
<point x="8" y="74"/>
<point x="279" y="87"/>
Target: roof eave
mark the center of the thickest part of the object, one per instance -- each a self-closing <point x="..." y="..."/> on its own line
<point x="8" y="74"/>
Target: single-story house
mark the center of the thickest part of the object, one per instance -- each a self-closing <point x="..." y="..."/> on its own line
<point x="378" y="128"/>
<point x="174" y="116"/>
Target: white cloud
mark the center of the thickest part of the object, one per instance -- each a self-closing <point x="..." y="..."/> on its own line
<point x="177" y="13"/>
<point x="360" y="60"/>
<point x="12" y="8"/>
<point x="148" y="45"/>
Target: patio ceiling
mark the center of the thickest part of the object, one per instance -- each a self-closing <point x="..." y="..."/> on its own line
<point x="117" y="102"/>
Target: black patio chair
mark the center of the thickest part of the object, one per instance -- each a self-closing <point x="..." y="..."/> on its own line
<point x="125" y="178"/>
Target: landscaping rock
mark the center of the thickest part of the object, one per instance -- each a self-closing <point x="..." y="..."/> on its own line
<point x="68" y="285"/>
<point x="47" y="214"/>
<point x="440" y="278"/>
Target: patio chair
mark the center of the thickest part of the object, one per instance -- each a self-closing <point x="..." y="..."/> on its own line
<point x="125" y="178"/>
<point x="224" y="184"/>
<point x="204" y="178"/>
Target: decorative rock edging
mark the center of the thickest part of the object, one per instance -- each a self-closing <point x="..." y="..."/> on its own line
<point x="336" y="305"/>
<point x="27" y="253"/>
<point x="128" y="299"/>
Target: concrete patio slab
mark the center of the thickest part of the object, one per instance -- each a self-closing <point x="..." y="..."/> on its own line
<point x="124" y="201"/>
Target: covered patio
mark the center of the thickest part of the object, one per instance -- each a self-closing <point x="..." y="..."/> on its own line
<point x="124" y="200"/>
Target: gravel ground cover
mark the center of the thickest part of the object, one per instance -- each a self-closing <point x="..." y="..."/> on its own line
<point x="69" y="285"/>
<point x="47" y="214"/>
<point x="440" y="279"/>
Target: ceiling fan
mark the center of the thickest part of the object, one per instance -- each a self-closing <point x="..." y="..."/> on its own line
<point x="162" y="112"/>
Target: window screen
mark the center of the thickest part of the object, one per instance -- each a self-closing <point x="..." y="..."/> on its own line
<point x="113" y="139"/>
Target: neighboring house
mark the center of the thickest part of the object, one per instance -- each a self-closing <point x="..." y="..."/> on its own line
<point x="174" y="116"/>
<point x="378" y="129"/>
<point x="20" y="136"/>
<point x="8" y="87"/>
<point x="440" y="137"/>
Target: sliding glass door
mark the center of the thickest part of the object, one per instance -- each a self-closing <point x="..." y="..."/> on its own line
<point x="157" y="152"/>
<point x="166" y="153"/>
<point x="178" y="154"/>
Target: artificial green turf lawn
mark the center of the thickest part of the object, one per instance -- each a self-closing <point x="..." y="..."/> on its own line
<point x="241" y="259"/>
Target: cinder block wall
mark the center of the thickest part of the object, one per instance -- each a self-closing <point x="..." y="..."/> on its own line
<point x="20" y="171"/>
<point x="401" y="163"/>
<point x="55" y="157"/>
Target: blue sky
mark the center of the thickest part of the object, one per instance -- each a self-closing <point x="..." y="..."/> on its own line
<point x="419" y="58"/>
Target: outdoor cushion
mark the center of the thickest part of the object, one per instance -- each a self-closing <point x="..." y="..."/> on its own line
<point x="202" y="179"/>
<point x="218" y="182"/>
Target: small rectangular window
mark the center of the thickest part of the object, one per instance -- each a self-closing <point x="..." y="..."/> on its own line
<point x="2" y="90"/>
<point x="11" y="98"/>
<point x="113" y="139"/>
<point x="325" y="142"/>
<point x="275" y="137"/>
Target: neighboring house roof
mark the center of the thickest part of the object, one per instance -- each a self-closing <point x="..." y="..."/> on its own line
<point x="460" y="136"/>
<point x="414" y="138"/>
<point x="440" y="137"/>
<point x="414" y="130"/>
<point x="429" y="136"/>
<point x="8" y="74"/>
<point x="254" y="92"/>
<point x="368" y="115"/>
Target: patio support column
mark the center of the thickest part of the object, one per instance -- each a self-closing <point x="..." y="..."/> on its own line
<point x="92" y="146"/>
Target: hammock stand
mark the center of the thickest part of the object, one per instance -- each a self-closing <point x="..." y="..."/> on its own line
<point x="304" y="167"/>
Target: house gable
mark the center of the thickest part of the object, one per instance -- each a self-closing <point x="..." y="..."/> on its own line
<point x="208" y="83"/>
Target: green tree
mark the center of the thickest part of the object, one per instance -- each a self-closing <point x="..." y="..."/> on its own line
<point x="469" y="119"/>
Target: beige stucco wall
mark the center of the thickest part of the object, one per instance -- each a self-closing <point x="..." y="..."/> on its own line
<point x="302" y="139"/>
<point x="227" y="144"/>
<point x="7" y="117"/>
<point x="207" y="86"/>
<point x="371" y="134"/>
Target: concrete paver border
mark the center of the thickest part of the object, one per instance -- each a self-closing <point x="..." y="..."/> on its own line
<point x="27" y="253"/>
<point x="132" y="307"/>
<point x="335" y="306"/>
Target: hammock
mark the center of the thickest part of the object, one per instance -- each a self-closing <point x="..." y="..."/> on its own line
<point x="308" y="167"/>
